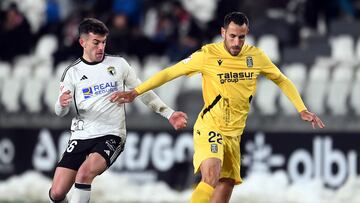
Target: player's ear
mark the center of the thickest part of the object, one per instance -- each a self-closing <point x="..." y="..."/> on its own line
<point x="223" y="32"/>
<point x="82" y="42"/>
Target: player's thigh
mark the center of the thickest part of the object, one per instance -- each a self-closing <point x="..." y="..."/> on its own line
<point x="102" y="155"/>
<point x="109" y="147"/>
<point x="63" y="180"/>
<point x="207" y="144"/>
<point x="75" y="154"/>
<point x="231" y="161"/>
<point x="94" y="165"/>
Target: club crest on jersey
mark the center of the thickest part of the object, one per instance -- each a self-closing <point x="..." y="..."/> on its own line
<point x="249" y="62"/>
<point x="111" y="70"/>
<point x="214" y="148"/>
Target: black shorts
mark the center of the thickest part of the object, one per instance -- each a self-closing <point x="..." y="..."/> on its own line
<point x="109" y="147"/>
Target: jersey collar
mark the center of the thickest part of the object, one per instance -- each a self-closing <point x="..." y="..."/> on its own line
<point x="92" y="63"/>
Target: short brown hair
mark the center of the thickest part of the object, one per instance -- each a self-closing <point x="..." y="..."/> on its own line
<point x="94" y="26"/>
<point x="238" y="18"/>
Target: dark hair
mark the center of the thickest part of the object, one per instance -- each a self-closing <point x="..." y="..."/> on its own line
<point x="238" y="18"/>
<point x="94" y="26"/>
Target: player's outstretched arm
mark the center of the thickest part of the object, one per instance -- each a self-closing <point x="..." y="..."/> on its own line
<point x="313" y="118"/>
<point x="123" y="97"/>
<point x="178" y="120"/>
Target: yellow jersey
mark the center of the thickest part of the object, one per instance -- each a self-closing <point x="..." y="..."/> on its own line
<point x="228" y="83"/>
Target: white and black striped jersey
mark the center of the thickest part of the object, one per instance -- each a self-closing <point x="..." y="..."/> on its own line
<point x="91" y="85"/>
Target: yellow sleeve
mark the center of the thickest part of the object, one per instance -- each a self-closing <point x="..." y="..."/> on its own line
<point x="187" y="66"/>
<point x="289" y="89"/>
<point x="270" y="71"/>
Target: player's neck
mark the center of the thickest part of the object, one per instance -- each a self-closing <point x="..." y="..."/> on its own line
<point x="87" y="58"/>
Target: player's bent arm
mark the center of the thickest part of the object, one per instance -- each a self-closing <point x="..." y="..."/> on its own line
<point x="289" y="89"/>
<point x="59" y="110"/>
<point x="62" y="105"/>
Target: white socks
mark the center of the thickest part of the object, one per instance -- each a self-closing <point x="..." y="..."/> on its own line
<point x="81" y="193"/>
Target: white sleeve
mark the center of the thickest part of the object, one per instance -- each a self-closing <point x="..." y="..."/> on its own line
<point x="65" y="84"/>
<point x="149" y="98"/>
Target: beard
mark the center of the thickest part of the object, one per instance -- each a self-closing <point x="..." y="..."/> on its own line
<point x="233" y="50"/>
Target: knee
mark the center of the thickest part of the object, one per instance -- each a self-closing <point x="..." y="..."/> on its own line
<point x="210" y="178"/>
<point x="210" y="172"/>
<point x="85" y="175"/>
<point x="56" y="194"/>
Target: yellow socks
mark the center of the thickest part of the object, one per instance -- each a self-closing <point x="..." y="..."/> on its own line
<point x="202" y="193"/>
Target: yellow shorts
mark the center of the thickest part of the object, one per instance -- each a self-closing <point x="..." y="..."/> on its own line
<point x="210" y="143"/>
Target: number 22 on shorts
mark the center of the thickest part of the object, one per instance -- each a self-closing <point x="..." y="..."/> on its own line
<point x="215" y="137"/>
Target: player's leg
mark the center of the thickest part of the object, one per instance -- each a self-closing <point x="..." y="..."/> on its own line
<point x="223" y="191"/>
<point x="208" y="159"/>
<point x="230" y="171"/>
<point x="66" y="170"/>
<point x="63" y="180"/>
<point x="94" y="165"/>
<point x="104" y="153"/>
<point x="210" y="173"/>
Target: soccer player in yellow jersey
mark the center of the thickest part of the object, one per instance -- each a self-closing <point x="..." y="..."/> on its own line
<point x="229" y="71"/>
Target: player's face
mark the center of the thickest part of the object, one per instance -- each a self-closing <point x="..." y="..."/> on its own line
<point x="94" y="46"/>
<point x="234" y="37"/>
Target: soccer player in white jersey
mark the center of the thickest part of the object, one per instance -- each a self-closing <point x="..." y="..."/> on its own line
<point x="98" y="131"/>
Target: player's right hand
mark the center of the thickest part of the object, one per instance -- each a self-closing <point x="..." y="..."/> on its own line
<point x="65" y="99"/>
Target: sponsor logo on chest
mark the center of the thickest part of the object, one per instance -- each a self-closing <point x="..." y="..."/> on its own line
<point x="234" y="77"/>
<point x="100" y="89"/>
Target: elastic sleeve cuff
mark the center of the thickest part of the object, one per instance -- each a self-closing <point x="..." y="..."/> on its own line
<point x="167" y="113"/>
<point x="60" y="111"/>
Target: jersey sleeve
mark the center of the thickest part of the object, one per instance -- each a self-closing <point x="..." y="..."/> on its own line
<point x="268" y="68"/>
<point x="130" y="78"/>
<point x="150" y="99"/>
<point x="65" y="85"/>
<point x="270" y="71"/>
<point x="188" y="66"/>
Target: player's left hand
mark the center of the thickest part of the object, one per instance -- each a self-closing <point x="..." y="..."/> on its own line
<point x="123" y="97"/>
<point x="178" y="120"/>
<point x="313" y="118"/>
